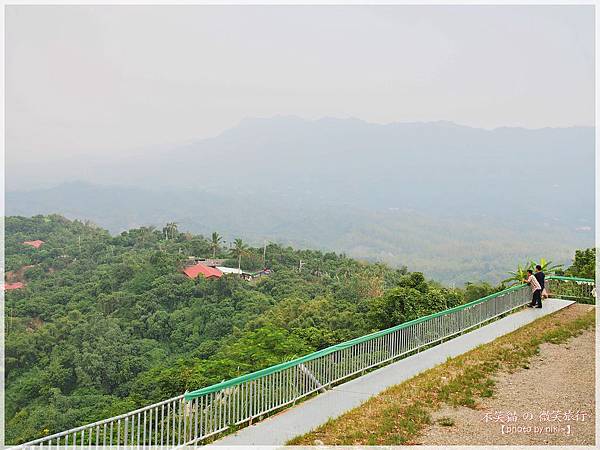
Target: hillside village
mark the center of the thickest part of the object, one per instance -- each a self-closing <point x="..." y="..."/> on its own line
<point x="212" y="269"/>
<point x="208" y="268"/>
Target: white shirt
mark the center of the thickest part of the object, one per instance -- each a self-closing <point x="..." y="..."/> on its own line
<point x="533" y="283"/>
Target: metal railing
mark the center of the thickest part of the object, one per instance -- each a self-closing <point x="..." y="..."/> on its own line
<point x="571" y="288"/>
<point x="196" y="416"/>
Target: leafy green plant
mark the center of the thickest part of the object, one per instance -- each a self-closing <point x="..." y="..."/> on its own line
<point x="517" y="276"/>
<point x="584" y="264"/>
<point x="215" y="243"/>
<point x="239" y="249"/>
<point x="547" y="267"/>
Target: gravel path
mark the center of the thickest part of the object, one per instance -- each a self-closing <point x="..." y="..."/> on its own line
<point x="530" y="406"/>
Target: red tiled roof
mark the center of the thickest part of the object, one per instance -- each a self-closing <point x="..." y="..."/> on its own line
<point x="206" y="271"/>
<point x="11" y="286"/>
<point x="37" y="243"/>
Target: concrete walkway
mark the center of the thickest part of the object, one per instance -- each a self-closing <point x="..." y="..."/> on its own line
<point x="306" y="416"/>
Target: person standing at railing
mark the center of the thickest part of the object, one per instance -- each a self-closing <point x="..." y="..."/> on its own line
<point x="536" y="290"/>
<point x="541" y="278"/>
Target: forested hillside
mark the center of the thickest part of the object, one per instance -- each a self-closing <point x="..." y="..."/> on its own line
<point x="105" y="324"/>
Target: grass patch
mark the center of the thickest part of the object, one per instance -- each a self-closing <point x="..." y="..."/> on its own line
<point x="397" y="415"/>
<point x="446" y="421"/>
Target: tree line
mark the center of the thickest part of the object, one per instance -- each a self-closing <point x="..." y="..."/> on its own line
<point x="106" y="324"/>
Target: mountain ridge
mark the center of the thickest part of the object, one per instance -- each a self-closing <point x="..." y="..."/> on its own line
<point x="401" y="193"/>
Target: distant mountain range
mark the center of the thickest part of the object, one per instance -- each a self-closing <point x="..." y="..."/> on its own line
<point x="459" y="202"/>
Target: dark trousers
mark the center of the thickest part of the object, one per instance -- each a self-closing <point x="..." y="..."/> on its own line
<point x="537" y="298"/>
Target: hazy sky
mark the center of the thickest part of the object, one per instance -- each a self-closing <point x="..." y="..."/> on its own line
<point x="102" y="81"/>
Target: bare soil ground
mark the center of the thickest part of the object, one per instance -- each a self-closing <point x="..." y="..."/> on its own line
<point x="17" y="275"/>
<point x="552" y="402"/>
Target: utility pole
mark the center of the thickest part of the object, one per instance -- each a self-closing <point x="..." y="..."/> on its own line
<point x="79" y="243"/>
<point x="265" y="255"/>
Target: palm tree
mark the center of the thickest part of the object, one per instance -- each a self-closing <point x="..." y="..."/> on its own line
<point x="547" y="267"/>
<point x="146" y="232"/>
<point x="173" y="229"/>
<point x="521" y="273"/>
<point x="239" y="249"/>
<point x="215" y="241"/>
<point x="170" y="228"/>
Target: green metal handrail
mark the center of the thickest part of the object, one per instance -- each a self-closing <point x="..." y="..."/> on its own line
<point x="576" y="279"/>
<point x="272" y="369"/>
<point x="326" y="351"/>
<point x="571" y="288"/>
